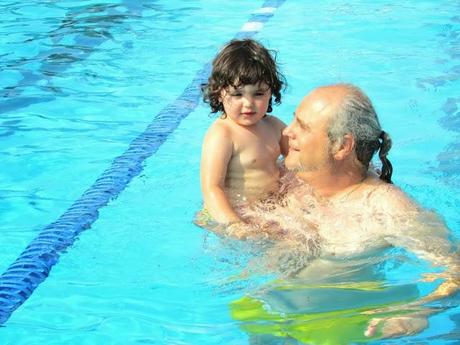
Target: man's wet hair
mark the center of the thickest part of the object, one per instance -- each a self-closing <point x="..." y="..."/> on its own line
<point x="239" y="63"/>
<point x="356" y="115"/>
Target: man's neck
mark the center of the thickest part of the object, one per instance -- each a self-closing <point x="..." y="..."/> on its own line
<point x="328" y="182"/>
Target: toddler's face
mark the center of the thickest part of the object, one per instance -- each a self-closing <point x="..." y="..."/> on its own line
<point x="246" y="104"/>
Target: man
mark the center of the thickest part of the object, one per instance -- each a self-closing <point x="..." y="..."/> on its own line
<point x="354" y="212"/>
<point x="334" y="134"/>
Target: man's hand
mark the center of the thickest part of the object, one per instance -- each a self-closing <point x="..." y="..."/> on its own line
<point x="398" y="326"/>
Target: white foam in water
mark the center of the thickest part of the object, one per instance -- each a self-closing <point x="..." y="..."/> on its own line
<point x="252" y="26"/>
<point x="264" y="10"/>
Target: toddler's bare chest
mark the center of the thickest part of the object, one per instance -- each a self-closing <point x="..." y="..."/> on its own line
<point x="255" y="152"/>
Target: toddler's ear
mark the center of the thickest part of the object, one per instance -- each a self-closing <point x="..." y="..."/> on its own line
<point x="222" y="94"/>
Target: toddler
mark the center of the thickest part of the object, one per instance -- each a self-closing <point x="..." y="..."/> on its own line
<point x="240" y="151"/>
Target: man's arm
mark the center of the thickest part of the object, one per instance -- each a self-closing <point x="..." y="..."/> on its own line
<point x="428" y="238"/>
<point x="430" y="242"/>
<point x="424" y="234"/>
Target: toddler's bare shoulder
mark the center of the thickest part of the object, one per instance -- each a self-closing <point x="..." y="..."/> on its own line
<point x="275" y="123"/>
<point x="220" y="128"/>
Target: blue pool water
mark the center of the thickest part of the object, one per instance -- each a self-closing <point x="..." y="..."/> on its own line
<point x="81" y="80"/>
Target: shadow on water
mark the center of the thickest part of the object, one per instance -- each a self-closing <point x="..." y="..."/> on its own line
<point x="88" y="27"/>
<point x="449" y="158"/>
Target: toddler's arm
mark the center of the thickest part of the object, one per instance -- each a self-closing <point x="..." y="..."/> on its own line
<point x="279" y="127"/>
<point x="216" y="153"/>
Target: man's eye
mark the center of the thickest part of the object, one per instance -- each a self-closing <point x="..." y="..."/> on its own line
<point x="260" y="93"/>
<point x="300" y="124"/>
<point x="236" y="94"/>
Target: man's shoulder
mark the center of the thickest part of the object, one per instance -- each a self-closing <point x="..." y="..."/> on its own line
<point x="391" y="197"/>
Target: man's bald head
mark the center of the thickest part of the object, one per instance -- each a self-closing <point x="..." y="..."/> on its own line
<point x="351" y="112"/>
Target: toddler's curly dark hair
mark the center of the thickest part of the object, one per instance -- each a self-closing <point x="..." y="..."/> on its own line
<point x="243" y="62"/>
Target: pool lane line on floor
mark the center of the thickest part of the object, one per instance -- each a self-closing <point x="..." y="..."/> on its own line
<point x="33" y="265"/>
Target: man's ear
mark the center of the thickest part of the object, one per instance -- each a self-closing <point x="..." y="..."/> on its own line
<point x="345" y="148"/>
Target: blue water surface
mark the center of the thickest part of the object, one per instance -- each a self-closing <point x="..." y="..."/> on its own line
<point x="81" y="79"/>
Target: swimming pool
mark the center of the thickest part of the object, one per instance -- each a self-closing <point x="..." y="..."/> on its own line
<point x="85" y="79"/>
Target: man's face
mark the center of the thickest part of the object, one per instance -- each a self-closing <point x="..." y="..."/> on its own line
<point x="309" y="146"/>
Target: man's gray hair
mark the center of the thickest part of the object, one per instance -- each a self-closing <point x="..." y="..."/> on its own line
<point x="356" y="116"/>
